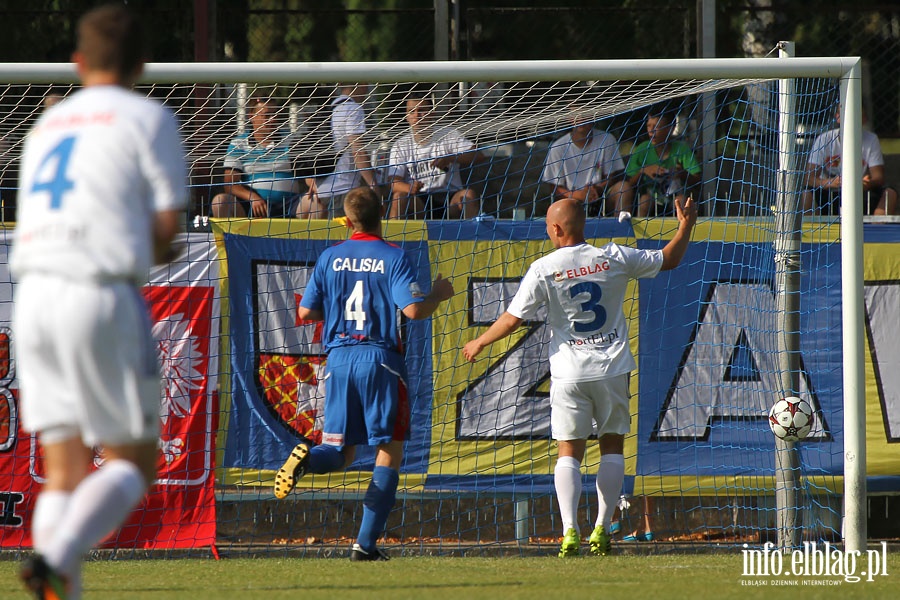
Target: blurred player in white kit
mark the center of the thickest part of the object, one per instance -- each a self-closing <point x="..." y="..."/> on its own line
<point x="102" y="192"/>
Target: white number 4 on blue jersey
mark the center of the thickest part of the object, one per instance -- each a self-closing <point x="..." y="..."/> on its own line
<point x="353" y="308"/>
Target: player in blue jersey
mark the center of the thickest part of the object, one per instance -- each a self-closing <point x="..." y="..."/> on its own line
<point x="584" y="288"/>
<point x="356" y="288"/>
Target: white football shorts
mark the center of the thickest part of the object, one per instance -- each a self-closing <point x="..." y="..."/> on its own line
<point x="575" y="407"/>
<point x="85" y="357"/>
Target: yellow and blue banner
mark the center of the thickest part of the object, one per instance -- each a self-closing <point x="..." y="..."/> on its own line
<point x="705" y="334"/>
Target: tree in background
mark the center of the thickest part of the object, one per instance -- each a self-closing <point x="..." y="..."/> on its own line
<point x="385" y="34"/>
<point x="373" y="30"/>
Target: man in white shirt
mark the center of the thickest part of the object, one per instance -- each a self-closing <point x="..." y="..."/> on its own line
<point x="583" y="288"/>
<point x="353" y="168"/>
<point x="585" y="165"/>
<point x="425" y="168"/>
<point x="823" y="175"/>
<point x="103" y="190"/>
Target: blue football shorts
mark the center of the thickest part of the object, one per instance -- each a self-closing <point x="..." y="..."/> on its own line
<point x="366" y="401"/>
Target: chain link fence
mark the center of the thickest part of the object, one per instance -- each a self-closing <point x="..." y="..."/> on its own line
<point x="866" y="29"/>
<point x="398" y="30"/>
<point x="272" y="30"/>
<point x="330" y="34"/>
<point x="589" y="32"/>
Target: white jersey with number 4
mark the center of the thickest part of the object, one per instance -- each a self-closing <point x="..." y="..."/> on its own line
<point x="584" y="288"/>
<point x="95" y="169"/>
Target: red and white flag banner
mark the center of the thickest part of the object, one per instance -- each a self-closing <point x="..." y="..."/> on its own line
<point x="179" y="511"/>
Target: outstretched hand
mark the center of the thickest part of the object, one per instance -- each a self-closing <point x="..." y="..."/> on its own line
<point x="442" y="289"/>
<point x="472" y="349"/>
<point x="686" y="214"/>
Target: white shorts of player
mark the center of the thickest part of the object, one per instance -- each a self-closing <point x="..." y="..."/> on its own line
<point x="86" y="360"/>
<point x="575" y="407"/>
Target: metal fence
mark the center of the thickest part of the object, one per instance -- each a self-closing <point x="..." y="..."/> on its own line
<point x="594" y="32"/>
<point x="866" y="29"/>
<point x="396" y="30"/>
<point x="270" y="30"/>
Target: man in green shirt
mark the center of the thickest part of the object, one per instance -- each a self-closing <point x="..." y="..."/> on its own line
<point x="661" y="168"/>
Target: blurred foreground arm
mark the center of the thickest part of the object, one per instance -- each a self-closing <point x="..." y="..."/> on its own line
<point x="166" y="225"/>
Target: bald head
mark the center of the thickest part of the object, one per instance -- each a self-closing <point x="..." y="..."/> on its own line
<point x="568" y="215"/>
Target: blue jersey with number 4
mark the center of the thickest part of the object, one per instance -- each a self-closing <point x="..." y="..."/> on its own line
<point x="359" y="285"/>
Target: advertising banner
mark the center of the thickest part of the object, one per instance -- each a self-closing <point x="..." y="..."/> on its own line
<point x="179" y="510"/>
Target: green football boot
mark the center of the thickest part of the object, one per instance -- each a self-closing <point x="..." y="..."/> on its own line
<point x="571" y="544"/>
<point x="600" y="541"/>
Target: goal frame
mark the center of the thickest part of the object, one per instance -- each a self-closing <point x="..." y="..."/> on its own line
<point x="845" y="69"/>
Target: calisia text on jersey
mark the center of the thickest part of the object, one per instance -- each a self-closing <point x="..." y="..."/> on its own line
<point x="358" y="265"/>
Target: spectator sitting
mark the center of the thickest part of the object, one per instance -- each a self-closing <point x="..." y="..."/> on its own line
<point x="424" y="168"/>
<point x="259" y="178"/>
<point x="585" y="165"/>
<point x="661" y="168"/>
<point x="353" y="169"/>
<point x="823" y="175"/>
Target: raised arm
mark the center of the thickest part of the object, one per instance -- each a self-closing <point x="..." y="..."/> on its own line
<point x="674" y="251"/>
<point x="361" y="159"/>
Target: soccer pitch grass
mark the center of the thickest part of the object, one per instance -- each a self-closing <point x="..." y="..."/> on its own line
<point x="652" y="576"/>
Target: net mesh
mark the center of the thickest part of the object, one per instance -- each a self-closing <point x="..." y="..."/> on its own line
<point x="478" y="465"/>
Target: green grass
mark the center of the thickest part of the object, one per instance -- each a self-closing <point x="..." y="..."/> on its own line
<point x="633" y="577"/>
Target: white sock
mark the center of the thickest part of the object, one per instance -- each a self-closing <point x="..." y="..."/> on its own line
<point x="75" y="587"/>
<point x="48" y="512"/>
<point x="567" y="477"/>
<point x="610" y="477"/>
<point x="99" y="504"/>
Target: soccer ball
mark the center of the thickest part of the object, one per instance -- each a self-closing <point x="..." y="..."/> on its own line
<point x="791" y="419"/>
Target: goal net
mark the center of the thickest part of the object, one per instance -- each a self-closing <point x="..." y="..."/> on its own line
<point x="752" y="315"/>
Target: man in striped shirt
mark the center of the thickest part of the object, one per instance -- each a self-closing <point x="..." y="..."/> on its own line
<point x="259" y="175"/>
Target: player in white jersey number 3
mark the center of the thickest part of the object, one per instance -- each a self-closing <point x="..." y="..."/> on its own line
<point x="583" y="288"/>
<point x="102" y="193"/>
